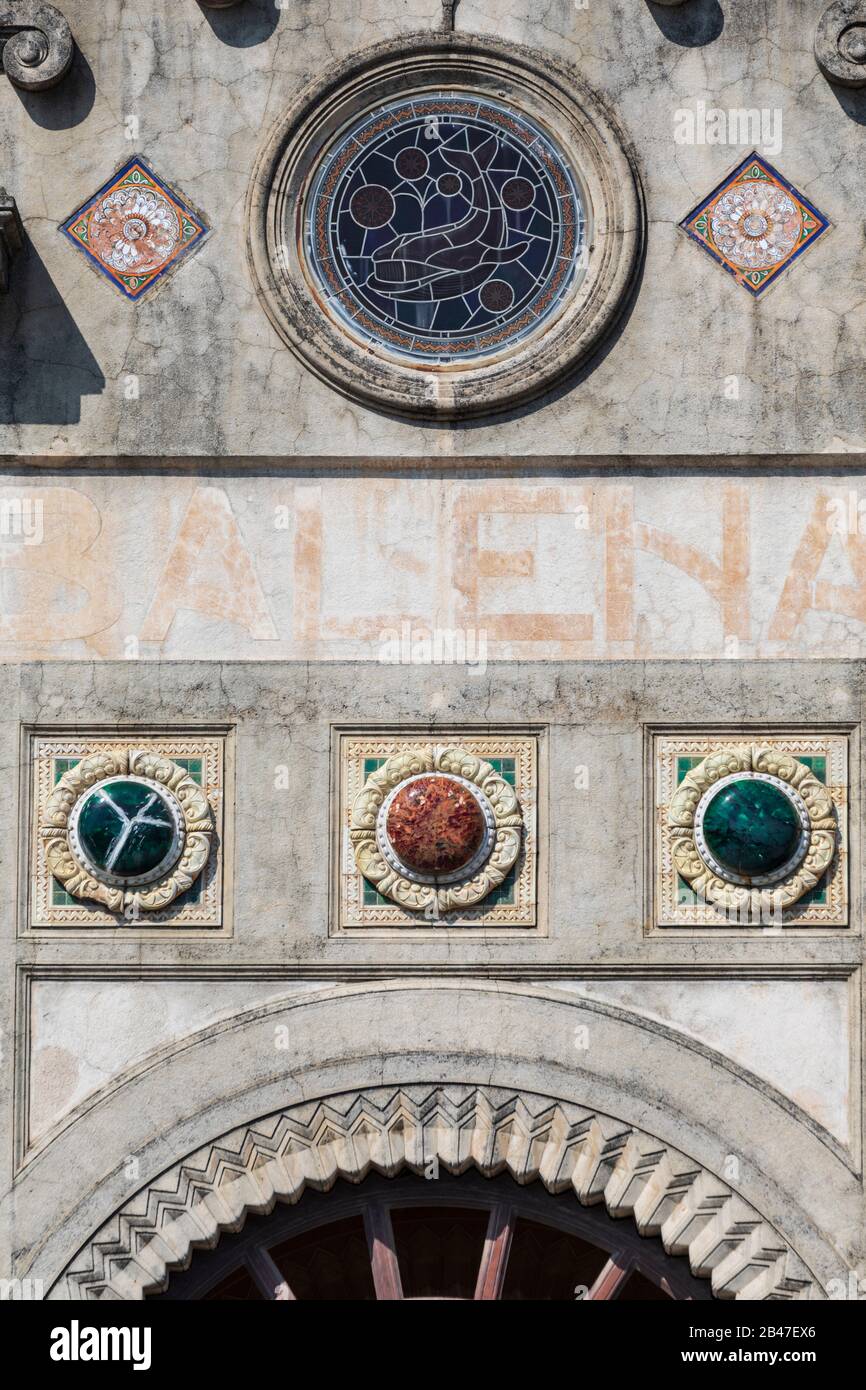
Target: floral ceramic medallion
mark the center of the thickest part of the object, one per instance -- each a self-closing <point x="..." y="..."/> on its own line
<point x="135" y="229"/>
<point x="755" y="224"/>
<point x="435" y="828"/>
<point x="752" y="823"/>
<point x="129" y="829"/>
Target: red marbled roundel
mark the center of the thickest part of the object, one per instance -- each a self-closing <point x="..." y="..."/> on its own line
<point x="435" y="825"/>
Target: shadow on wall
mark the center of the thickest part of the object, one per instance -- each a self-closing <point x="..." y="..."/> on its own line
<point x="695" y="24"/>
<point x="852" y="100"/>
<point x="244" y="26"/>
<point x="45" y="364"/>
<point x="64" y="106"/>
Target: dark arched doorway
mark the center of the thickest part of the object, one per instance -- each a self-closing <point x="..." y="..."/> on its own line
<point x="467" y="1238"/>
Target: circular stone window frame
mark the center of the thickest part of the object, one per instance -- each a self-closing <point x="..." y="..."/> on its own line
<point x="168" y="860"/>
<point x="467" y="870"/>
<point x="436" y="897"/>
<point x="553" y="96"/>
<point x="64" y="857"/>
<point x="736" y="892"/>
<point x="754" y="880"/>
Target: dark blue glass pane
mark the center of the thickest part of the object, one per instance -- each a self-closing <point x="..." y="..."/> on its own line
<point x="445" y="227"/>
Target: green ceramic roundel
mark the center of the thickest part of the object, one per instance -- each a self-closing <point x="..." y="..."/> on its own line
<point x="125" y="828"/>
<point x="751" y="827"/>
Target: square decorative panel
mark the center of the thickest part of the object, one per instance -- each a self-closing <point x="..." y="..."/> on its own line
<point x="126" y="831"/>
<point x="135" y="229"/>
<point x="436" y="831"/>
<point x="755" y="224"/>
<point x="749" y="830"/>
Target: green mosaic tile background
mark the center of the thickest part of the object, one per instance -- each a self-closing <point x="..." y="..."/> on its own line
<point x="59" y="895"/>
<point x="507" y="769"/>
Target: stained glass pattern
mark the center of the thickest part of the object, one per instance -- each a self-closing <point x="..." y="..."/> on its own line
<point x="445" y="227"/>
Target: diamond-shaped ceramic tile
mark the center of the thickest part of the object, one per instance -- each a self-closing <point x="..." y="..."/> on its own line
<point x="135" y="229"/>
<point x="755" y="224"/>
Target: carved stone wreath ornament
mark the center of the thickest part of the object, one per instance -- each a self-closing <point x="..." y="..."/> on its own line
<point x="127" y="828"/>
<point x="436" y="829"/>
<point x="807" y="819"/>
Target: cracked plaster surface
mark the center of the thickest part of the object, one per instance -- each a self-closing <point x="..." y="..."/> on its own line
<point x="260" y="566"/>
<point x="213" y="379"/>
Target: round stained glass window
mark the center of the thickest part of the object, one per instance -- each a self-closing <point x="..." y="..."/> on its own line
<point x="445" y="225"/>
<point x="444" y="228"/>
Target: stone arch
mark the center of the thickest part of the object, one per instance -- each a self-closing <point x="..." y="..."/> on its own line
<point x="388" y="1130"/>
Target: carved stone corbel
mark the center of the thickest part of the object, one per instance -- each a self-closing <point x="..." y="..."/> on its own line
<point x="840" y="43"/>
<point x="37" y="44"/>
<point x="11" y="236"/>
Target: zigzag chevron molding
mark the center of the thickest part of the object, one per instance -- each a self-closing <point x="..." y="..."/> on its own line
<point x="385" y="1131"/>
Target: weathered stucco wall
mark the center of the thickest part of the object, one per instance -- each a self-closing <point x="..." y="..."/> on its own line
<point x="406" y="570"/>
<point x="769" y="1018"/>
<point x="196" y="532"/>
<point x="699" y="367"/>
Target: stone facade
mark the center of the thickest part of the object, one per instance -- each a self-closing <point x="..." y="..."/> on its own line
<point x="278" y="573"/>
